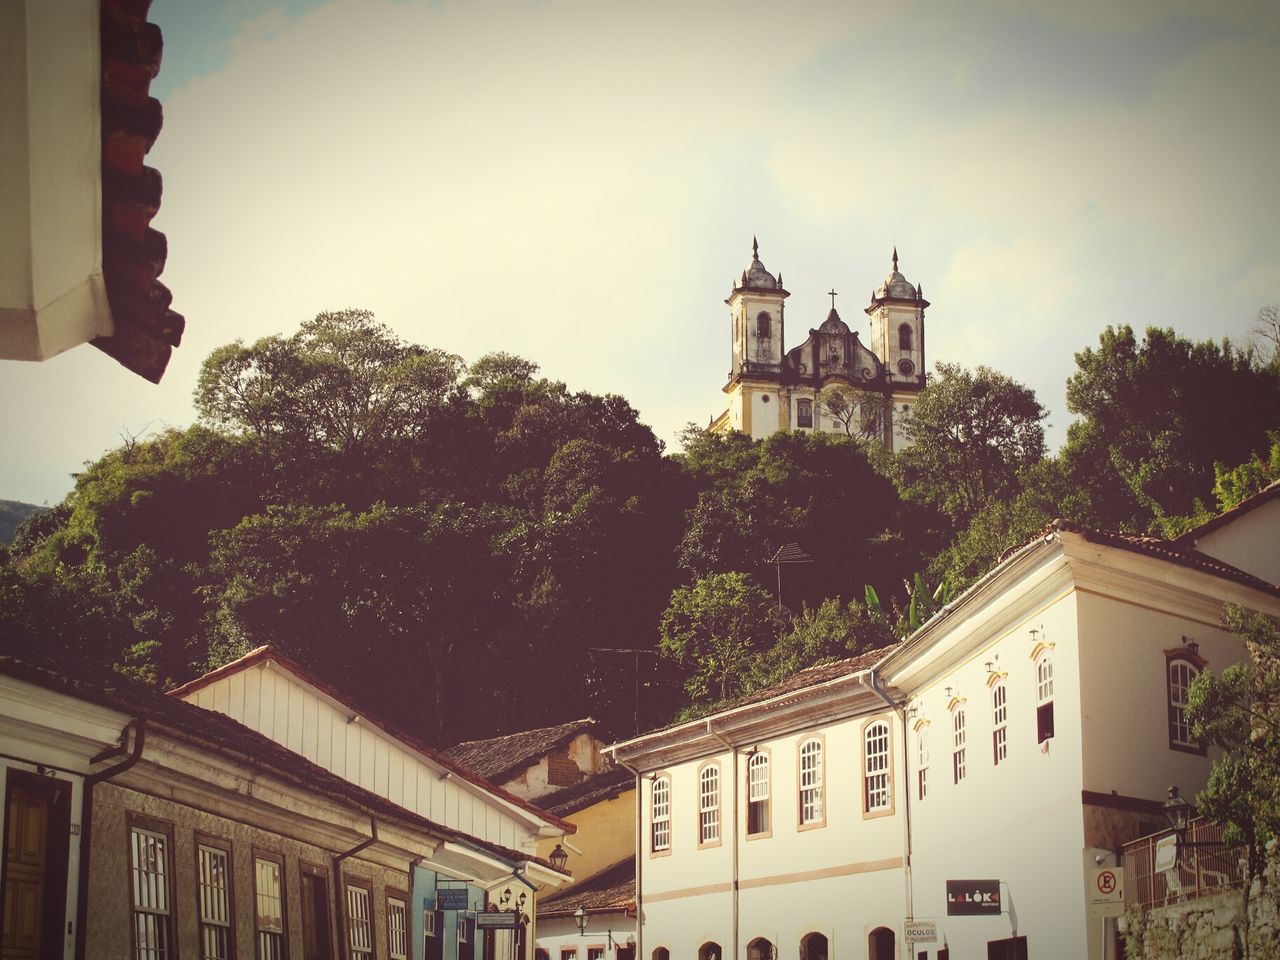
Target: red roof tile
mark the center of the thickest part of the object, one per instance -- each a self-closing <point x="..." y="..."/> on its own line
<point x="133" y="255"/>
<point x="611" y="890"/>
<point x="499" y="758"/>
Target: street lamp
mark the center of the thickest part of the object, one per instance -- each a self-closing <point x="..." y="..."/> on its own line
<point x="1177" y="812"/>
<point x="558" y="858"/>
<point x="580" y="917"/>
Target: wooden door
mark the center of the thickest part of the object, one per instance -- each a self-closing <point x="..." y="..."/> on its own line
<point x="316" y="941"/>
<point x="37" y="824"/>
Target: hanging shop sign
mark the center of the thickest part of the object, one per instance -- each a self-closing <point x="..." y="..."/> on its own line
<point x="497" y="920"/>
<point x="973" y="898"/>
<point x="451" y="898"/>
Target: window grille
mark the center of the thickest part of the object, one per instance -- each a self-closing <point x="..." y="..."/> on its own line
<point x="152" y="908"/>
<point x="397" y="929"/>
<point x="359" y="923"/>
<point x="214" y="894"/>
<point x="269" y="909"/>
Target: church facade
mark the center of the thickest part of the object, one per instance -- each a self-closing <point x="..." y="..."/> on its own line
<point x="832" y="381"/>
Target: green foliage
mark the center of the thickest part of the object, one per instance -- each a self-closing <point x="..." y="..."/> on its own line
<point x="1155" y="418"/>
<point x="714" y="630"/>
<point x="1239" y="711"/>
<point x="1232" y="486"/>
<point x="971" y="432"/>
<point x="830" y="631"/>
<point x="13" y="514"/>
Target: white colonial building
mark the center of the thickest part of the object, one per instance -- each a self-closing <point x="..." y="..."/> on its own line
<point x="831" y="381"/>
<point x="1016" y="740"/>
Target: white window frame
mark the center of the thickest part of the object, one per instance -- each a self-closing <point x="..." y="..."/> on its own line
<point x="709" y="805"/>
<point x="759" y="787"/>
<point x="269" y="933"/>
<point x="1180" y="672"/>
<point x="151" y="892"/>
<point x="812" y="783"/>
<point x="213" y="896"/>
<point x="922" y="761"/>
<point x="999" y="722"/>
<point x="660" y="815"/>
<point x="1044" y="696"/>
<point x="959" y="737"/>
<point x="397" y="928"/>
<point x="877" y="773"/>
<point x="359" y="916"/>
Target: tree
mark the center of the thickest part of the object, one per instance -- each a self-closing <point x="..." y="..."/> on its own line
<point x="1155" y="417"/>
<point x="830" y="631"/>
<point x="714" y="629"/>
<point x="1264" y="335"/>
<point x="970" y="432"/>
<point x="343" y="384"/>
<point x="1239" y="711"/>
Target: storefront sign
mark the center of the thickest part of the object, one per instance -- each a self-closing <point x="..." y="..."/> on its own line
<point x="920" y="931"/>
<point x="973" y="898"/>
<point x="451" y="898"/>
<point x="497" y="920"/>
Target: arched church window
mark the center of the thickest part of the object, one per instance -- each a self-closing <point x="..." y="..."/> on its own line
<point x="764" y="325"/>
<point x="904" y="337"/>
<point x="804" y="413"/>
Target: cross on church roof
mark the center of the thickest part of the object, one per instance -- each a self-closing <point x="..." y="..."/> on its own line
<point x="832" y="293"/>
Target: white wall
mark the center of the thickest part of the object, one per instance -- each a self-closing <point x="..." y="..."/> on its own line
<point x="278" y="706"/>
<point x="1249" y="542"/>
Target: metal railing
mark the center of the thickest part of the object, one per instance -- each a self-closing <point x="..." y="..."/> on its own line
<point x="1204" y="866"/>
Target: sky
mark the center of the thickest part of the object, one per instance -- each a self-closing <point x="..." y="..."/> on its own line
<point x="579" y="182"/>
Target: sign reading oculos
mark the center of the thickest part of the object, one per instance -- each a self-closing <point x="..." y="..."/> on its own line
<point x="967" y="898"/>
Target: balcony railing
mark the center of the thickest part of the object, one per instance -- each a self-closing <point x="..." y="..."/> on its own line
<point x="1206" y="866"/>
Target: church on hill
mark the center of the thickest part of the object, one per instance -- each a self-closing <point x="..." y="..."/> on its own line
<point x="832" y="381"/>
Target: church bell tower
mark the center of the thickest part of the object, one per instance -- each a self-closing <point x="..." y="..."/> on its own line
<point x="756" y="303"/>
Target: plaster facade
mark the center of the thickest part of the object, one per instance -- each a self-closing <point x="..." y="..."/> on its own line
<point x="1035" y="728"/>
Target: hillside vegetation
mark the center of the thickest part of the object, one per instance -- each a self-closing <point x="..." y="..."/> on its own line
<point x="12" y="514"/>
<point x="459" y="545"/>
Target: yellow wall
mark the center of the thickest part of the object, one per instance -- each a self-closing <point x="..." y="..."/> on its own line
<point x="606" y="834"/>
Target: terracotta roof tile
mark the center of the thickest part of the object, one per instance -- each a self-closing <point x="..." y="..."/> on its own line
<point x="612" y="889"/>
<point x="133" y="254"/>
<point x="218" y="733"/>
<point x="498" y="758"/>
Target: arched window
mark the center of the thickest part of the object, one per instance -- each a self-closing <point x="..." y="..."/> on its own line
<point x="957" y="745"/>
<point x="1044" y="698"/>
<point x="881" y="944"/>
<point x="922" y="760"/>
<point x="999" y="722"/>
<point x="758" y="819"/>
<point x="760" y="949"/>
<point x="1182" y="667"/>
<point x="661" y="815"/>
<point x="904" y="337"/>
<point x="811" y="782"/>
<point x="662" y="953"/>
<point x="710" y="951"/>
<point x="709" y="805"/>
<point x="876" y="796"/>
<point x="804" y="413"/>
<point x="764" y="325"/>
<point x="813" y="946"/>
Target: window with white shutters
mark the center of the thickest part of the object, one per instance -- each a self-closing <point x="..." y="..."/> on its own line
<point x="397" y="929"/>
<point x="269" y="907"/>
<point x="1044" y="698"/>
<point x="758" y="819"/>
<point x="922" y="763"/>
<point x="999" y="723"/>
<point x="957" y="745"/>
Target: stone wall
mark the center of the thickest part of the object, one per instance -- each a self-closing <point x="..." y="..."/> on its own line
<point x="1213" y="927"/>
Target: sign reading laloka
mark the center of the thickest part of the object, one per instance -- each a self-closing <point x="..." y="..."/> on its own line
<point x="968" y="898"/>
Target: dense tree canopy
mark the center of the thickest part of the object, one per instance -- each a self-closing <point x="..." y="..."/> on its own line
<point x="418" y="530"/>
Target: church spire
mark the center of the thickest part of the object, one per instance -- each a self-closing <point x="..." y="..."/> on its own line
<point x="755" y="248"/>
<point x="895" y="258"/>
